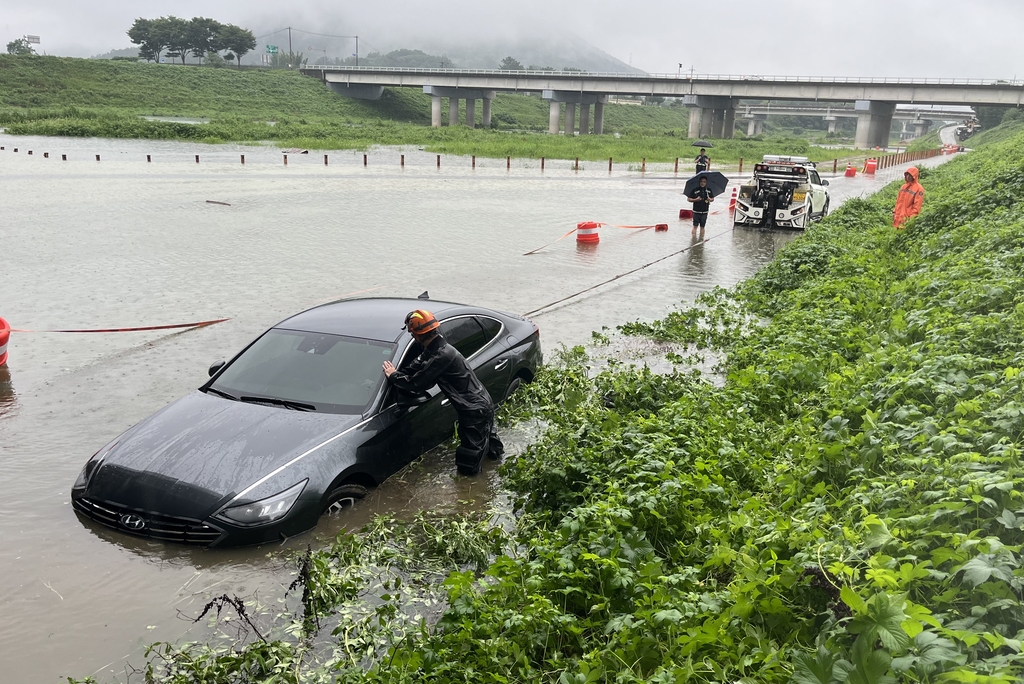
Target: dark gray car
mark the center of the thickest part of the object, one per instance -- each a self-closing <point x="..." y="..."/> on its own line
<point x="298" y="422"/>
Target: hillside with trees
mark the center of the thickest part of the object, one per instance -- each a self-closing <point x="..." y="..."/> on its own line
<point x="198" y="36"/>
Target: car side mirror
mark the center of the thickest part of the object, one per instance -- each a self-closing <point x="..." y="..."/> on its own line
<point x="216" y="367"/>
<point x="824" y="183"/>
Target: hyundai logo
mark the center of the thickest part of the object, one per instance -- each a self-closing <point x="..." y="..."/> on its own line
<point x="133" y="522"/>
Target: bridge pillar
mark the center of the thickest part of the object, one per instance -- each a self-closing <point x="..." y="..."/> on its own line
<point x="599" y="115"/>
<point x="435" y="111"/>
<point x="584" y="118"/>
<point x="571" y="98"/>
<point x="454" y="95"/>
<point x="832" y="123"/>
<point x="570" y="118"/>
<point x="486" y="113"/>
<point x="554" y="112"/>
<point x="921" y="128"/>
<point x="717" y="123"/>
<point x="453" y="111"/>
<point x="471" y="112"/>
<point x="694" y="129"/>
<point x="730" y="123"/>
<point x="755" y="126"/>
<point x="874" y="119"/>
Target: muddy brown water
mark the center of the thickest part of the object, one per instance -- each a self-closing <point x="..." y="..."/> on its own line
<point x="123" y="242"/>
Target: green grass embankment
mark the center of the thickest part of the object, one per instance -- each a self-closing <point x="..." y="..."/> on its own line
<point x="102" y="98"/>
<point x="846" y="506"/>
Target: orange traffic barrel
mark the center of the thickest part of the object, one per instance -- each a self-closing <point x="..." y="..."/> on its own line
<point x="732" y="200"/>
<point x="851" y="171"/>
<point x="587" y="232"/>
<point x="660" y="227"/>
<point x="686" y="213"/>
<point x="870" y="165"/>
<point x="5" y="336"/>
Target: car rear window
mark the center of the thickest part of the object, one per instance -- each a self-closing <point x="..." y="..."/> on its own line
<point x="335" y="373"/>
<point x="469" y="334"/>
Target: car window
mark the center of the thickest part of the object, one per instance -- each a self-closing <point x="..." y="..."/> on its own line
<point x="336" y="374"/>
<point x="491" y="327"/>
<point x="815" y="178"/>
<point x="465" y="334"/>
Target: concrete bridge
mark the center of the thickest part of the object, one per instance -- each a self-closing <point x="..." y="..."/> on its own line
<point x="919" y="118"/>
<point x="712" y="98"/>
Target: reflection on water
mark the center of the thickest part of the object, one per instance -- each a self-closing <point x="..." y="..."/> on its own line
<point x="8" y="397"/>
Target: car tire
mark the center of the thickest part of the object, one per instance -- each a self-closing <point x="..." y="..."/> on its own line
<point x="516" y="383"/>
<point x="344" y="496"/>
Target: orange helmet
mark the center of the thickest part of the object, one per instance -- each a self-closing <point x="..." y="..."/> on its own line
<point x="420" y="322"/>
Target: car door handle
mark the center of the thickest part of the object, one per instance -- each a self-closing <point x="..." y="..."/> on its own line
<point x="444" y="402"/>
<point x="501" y="365"/>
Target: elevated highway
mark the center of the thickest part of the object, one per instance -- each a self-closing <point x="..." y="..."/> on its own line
<point x="712" y="97"/>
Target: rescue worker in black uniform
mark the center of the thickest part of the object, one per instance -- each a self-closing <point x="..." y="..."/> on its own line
<point x="701" y="198"/>
<point x="702" y="160"/>
<point x="441" y="364"/>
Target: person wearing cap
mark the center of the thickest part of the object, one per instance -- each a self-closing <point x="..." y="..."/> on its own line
<point x="703" y="161"/>
<point x="439" y="363"/>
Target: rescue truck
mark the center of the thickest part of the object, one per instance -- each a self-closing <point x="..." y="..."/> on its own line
<point x="785" y="192"/>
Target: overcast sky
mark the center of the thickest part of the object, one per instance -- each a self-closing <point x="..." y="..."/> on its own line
<point x="928" y="38"/>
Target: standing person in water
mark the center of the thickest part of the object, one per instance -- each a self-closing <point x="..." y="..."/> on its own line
<point x="701" y="199"/>
<point x="703" y="161"/>
<point x="441" y="364"/>
<point x="910" y="199"/>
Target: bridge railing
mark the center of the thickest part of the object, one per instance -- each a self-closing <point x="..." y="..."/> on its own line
<point x="894" y="80"/>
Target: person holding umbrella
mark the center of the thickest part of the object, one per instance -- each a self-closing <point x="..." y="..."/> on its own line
<point x="702" y="160"/>
<point x="700" y="191"/>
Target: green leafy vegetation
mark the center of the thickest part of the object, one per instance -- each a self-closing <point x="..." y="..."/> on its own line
<point x="842" y="503"/>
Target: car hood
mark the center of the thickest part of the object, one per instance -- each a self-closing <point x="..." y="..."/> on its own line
<point x="191" y="457"/>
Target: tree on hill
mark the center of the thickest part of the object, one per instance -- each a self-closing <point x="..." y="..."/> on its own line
<point x="20" y="46"/>
<point x="237" y="39"/>
<point x="203" y="36"/>
<point x="511" y="64"/>
<point x="151" y="35"/>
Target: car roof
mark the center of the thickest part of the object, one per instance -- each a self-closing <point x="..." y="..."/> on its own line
<point x="375" y="318"/>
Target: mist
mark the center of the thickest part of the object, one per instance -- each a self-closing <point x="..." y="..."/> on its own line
<point x="937" y="38"/>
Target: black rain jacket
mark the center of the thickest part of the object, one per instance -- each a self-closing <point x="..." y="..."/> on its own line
<point x="441" y="364"/>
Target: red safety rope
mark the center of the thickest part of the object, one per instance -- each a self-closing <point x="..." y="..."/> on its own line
<point x="199" y="324"/>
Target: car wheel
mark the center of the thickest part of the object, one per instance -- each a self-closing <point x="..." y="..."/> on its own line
<point x="512" y="387"/>
<point x="344" y="496"/>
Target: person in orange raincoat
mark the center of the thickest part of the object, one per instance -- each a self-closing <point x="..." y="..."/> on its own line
<point x="910" y="198"/>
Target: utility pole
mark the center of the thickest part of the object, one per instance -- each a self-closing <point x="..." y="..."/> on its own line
<point x="357" y="50"/>
<point x="291" y="58"/>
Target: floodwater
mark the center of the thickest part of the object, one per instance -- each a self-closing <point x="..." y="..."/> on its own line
<point x="123" y="243"/>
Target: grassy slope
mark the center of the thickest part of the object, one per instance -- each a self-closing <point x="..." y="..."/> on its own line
<point x="76" y="97"/>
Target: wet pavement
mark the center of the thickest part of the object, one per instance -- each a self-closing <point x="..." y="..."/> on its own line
<point x="123" y="243"/>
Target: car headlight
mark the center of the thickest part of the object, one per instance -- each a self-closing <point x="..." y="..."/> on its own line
<point x="265" y="510"/>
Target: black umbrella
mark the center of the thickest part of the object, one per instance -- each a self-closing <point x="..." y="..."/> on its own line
<point x="702" y="143"/>
<point x="716" y="182"/>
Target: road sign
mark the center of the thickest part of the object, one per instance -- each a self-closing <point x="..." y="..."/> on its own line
<point x="271" y="49"/>
<point x="32" y="39"/>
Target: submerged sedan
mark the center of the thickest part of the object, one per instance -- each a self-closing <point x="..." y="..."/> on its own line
<point x="299" y="422"/>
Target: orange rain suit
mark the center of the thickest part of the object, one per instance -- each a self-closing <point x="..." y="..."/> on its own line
<point x="909" y="200"/>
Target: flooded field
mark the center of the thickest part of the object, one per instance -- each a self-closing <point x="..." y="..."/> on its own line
<point x="123" y="243"/>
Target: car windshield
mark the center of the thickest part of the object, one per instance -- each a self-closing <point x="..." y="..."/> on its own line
<point x="333" y="373"/>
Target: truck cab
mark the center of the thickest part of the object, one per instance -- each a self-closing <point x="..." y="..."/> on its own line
<point x="784" y="192"/>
